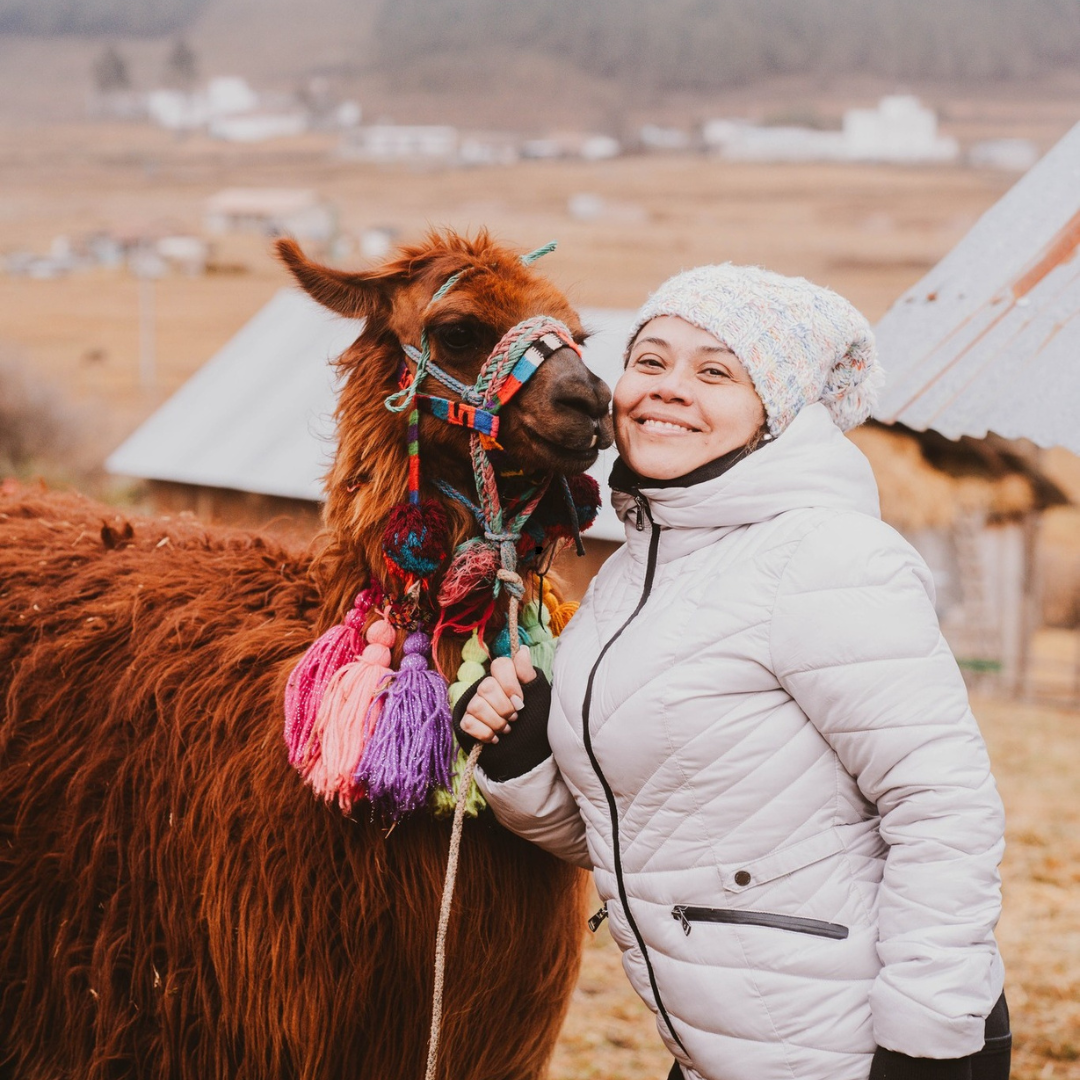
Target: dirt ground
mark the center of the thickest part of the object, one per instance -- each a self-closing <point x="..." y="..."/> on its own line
<point x="1035" y="751"/>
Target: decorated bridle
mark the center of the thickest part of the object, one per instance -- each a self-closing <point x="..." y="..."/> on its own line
<point x="357" y="729"/>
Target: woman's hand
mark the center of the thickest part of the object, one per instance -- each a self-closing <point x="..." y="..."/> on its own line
<point x="498" y="698"/>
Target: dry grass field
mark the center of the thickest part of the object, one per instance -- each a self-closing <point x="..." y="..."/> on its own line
<point x="868" y="232"/>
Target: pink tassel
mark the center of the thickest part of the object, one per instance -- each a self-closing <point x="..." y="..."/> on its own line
<point x="347" y="716"/>
<point x="340" y="645"/>
<point x="472" y="570"/>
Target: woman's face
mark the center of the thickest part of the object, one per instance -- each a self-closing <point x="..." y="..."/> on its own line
<point x="684" y="399"/>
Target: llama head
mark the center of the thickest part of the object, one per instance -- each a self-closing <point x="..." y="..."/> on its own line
<point x="557" y="423"/>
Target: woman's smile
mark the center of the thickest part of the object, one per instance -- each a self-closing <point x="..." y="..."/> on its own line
<point x="656" y="425"/>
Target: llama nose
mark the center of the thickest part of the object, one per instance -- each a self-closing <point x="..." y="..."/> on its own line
<point x="584" y="393"/>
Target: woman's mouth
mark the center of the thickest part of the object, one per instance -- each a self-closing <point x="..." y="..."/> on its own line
<point x="657" y="426"/>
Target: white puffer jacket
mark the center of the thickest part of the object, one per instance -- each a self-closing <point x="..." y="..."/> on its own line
<point x="775" y="774"/>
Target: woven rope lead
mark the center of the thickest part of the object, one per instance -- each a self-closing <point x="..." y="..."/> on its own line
<point x="497" y="367"/>
<point x="545" y="249"/>
<point x="516" y="587"/>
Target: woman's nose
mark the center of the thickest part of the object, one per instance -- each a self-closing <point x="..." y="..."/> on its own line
<point x="672" y="386"/>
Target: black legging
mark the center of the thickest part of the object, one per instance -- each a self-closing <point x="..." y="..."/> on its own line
<point x="992" y="1062"/>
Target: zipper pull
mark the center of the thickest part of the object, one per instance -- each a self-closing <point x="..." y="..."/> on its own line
<point x="642" y="510"/>
<point x="598" y="918"/>
<point x="679" y="912"/>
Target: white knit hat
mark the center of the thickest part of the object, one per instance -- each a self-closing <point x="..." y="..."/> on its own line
<point x="799" y="342"/>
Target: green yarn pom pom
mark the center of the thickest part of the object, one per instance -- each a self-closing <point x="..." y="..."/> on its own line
<point x="444" y="801"/>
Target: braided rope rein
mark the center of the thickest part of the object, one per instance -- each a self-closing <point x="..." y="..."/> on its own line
<point x="495" y="371"/>
<point x="514" y="584"/>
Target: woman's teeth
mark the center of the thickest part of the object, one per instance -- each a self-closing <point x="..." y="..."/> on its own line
<point x="663" y="425"/>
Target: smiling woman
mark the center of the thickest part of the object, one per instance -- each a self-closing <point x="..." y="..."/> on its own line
<point x="756" y="736"/>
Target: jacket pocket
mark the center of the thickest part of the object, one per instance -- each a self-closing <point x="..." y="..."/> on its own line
<point x="688" y="915"/>
<point x="740" y="876"/>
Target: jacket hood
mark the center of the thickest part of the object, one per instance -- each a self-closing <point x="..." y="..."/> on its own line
<point x="811" y="465"/>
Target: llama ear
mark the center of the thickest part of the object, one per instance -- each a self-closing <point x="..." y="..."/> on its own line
<point x="356" y="296"/>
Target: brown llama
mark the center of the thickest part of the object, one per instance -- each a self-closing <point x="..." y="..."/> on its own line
<point x="174" y="902"/>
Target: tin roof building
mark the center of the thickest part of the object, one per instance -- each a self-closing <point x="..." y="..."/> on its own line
<point x="989" y="340"/>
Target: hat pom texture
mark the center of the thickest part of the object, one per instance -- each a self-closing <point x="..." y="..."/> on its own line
<point x="799" y="342"/>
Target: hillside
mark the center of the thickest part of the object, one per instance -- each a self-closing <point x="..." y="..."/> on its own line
<point x="557" y="63"/>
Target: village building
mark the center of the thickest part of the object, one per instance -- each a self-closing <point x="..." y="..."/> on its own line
<point x="270" y="211"/>
<point x="400" y="142"/>
<point x="984" y="349"/>
<point x="899" y="130"/>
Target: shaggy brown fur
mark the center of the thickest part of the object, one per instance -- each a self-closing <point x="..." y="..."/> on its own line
<point x="174" y="903"/>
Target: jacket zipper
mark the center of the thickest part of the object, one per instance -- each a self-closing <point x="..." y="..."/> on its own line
<point x="687" y="914"/>
<point x="643" y="511"/>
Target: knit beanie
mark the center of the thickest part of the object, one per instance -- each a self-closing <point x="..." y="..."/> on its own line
<point x="799" y="342"/>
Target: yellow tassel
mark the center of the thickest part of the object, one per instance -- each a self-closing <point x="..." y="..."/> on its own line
<point x="443" y="801"/>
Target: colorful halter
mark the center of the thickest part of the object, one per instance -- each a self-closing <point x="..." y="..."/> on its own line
<point x="414" y="544"/>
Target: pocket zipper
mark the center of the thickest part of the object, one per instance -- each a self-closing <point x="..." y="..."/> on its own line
<point x="687" y="915"/>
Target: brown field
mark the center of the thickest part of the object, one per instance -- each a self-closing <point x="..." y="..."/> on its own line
<point x="868" y="232"/>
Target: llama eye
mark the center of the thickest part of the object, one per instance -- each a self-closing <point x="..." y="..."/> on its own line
<point x="457" y="337"/>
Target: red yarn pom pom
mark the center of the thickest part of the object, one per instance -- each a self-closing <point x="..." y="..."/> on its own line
<point x="551" y="517"/>
<point x="417" y="539"/>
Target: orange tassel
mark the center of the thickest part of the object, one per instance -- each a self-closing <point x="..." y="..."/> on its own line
<point x="561" y="615"/>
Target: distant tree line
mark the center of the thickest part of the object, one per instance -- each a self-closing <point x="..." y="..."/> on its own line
<point x="141" y="18"/>
<point x="713" y="44"/>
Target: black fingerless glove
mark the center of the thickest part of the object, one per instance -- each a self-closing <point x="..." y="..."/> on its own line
<point x="890" y="1065"/>
<point x="525" y="745"/>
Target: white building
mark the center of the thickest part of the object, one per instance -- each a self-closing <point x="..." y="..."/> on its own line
<point x="1009" y="155"/>
<point x="258" y="126"/>
<point x="296" y="212"/>
<point x="228" y="108"/>
<point x="899" y="129"/>
<point x="657" y="137"/>
<point x="401" y="142"/>
<point x="750" y="143"/>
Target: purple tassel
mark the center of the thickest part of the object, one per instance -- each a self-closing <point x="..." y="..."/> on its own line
<point x="340" y="645"/>
<point x="412" y="748"/>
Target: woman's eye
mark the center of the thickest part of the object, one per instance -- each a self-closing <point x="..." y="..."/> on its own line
<point x="717" y="373"/>
<point x="647" y="362"/>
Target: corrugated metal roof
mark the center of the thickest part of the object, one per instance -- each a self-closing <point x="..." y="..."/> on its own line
<point x="258" y="416"/>
<point x="255" y="417"/>
<point x="989" y="340"/>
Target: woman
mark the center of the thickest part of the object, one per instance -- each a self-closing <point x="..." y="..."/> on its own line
<point x="758" y="739"/>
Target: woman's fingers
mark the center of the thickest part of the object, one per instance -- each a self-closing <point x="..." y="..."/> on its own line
<point x="505" y="674"/>
<point x="489" y="712"/>
<point x="523" y="665"/>
<point x="478" y="729"/>
<point x="494" y="695"/>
